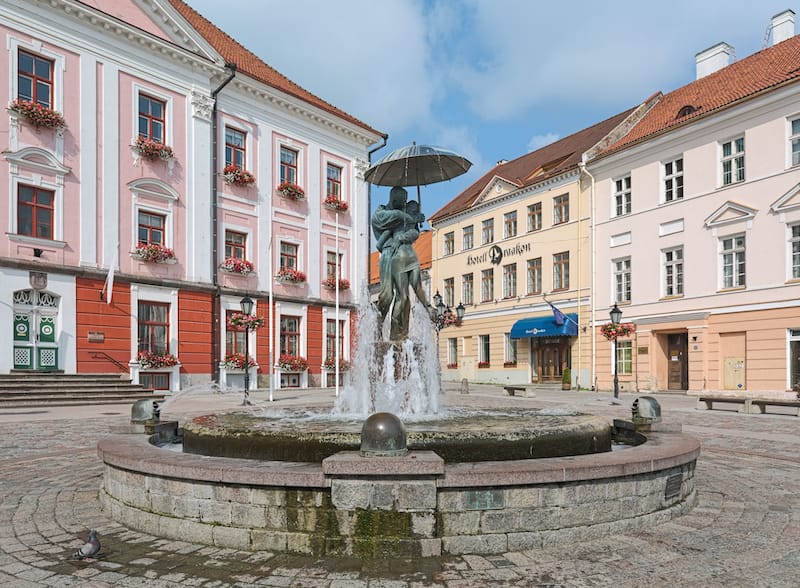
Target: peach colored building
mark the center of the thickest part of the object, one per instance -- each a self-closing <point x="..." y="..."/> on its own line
<point x="158" y="172"/>
<point x="696" y="216"/>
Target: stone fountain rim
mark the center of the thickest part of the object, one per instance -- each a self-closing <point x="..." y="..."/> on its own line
<point x="661" y="451"/>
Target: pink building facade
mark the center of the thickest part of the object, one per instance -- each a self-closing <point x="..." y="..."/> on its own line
<point x="183" y="174"/>
<point x="697" y="231"/>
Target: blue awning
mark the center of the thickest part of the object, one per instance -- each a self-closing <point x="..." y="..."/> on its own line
<point x="545" y="326"/>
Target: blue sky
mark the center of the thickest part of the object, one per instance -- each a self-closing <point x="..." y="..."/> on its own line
<point x="490" y="79"/>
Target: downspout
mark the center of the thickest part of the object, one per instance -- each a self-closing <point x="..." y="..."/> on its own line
<point x="215" y="309"/>
<point x="592" y="208"/>
<point x="385" y="137"/>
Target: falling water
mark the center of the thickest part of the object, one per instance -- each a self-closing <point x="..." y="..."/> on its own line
<point x="401" y="378"/>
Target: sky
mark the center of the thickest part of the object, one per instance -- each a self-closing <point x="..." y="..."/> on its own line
<point x="489" y="79"/>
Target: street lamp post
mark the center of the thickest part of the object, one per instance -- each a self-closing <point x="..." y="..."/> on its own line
<point x="616" y="317"/>
<point x="246" y="304"/>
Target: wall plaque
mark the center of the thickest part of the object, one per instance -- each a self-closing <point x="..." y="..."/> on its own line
<point x="485" y="499"/>
<point x="96" y="337"/>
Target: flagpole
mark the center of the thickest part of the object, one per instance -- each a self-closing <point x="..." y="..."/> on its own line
<point x="271" y="320"/>
<point x="336" y="274"/>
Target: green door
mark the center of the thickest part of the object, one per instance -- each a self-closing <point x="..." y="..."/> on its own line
<point x="35" y="324"/>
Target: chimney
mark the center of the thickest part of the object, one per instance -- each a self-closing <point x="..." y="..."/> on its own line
<point x="782" y="26"/>
<point x="713" y="59"/>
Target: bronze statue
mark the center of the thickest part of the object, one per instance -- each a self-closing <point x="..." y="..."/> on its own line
<point x="396" y="226"/>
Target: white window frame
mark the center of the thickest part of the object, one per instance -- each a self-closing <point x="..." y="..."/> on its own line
<point x="509" y="349"/>
<point x="510" y="280"/>
<point x="510" y="224"/>
<point x="449" y="243"/>
<point x="675" y="177"/>
<point x="249" y="248"/>
<point x="468" y="293"/>
<point x="471" y="234"/>
<point x="36" y="47"/>
<point x="487" y="231"/>
<point x="169" y="109"/>
<point x="624" y="349"/>
<point x="676" y="275"/>
<point x="449" y="289"/>
<point x="793" y="140"/>
<point x="484" y="349"/>
<point x="622" y="197"/>
<point x="735" y="252"/>
<point x="452" y="351"/>
<point x="300" y="253"/>
<point x="793" y="255"/>
<point x="155" y="189"/>
<point x="732" y="159"/>
<point x="488" y="272"/>
<point x="621" y="279"/>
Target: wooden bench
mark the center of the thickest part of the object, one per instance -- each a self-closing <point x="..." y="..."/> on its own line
<point x="527" y="390"/>
<point x="763" y="403"/>
<point x="707" y="402"/>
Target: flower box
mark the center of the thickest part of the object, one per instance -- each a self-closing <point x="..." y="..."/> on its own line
<point x="37" y="115"/>
<point x="447" y="319"/>
<point x="330" y="283"/>
<point x="613" y="331"/>
<point x="336" y="204"/>
<point x="241" y="321"/>
<point x="233" y="174"/>
<point x="452" y="366"/>
<point x="292" y="363"/>
<point x="330" y="365"/>
<point x="235" y="265"/>
<point x="153" y="252"/>
<point x="148" y="359"/>
<point x="290" y="275"/>
<point x="291" y="191"/>
<point x="152" y="150"/>
<point x="236" y="361"/>
<point x="509" y="364"/>
<point x="483" y="364"/>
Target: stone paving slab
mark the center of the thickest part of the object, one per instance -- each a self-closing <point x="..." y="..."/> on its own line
<point x="744" y="531"/>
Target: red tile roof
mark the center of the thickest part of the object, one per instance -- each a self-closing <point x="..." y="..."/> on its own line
<point x="764" y="71"/>
<point x="423" y="248"/>
<point x="249" y="64"/>
<point x="534" y="167"/>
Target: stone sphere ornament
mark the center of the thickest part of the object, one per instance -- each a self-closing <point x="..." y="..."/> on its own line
<point x="383" y="435"/>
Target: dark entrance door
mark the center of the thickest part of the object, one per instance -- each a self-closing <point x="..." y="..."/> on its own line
<point x="677" y="361"/>
<point x="551" y="356"/>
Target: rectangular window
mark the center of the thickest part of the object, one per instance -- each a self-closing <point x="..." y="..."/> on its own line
<point x="235" y="147"/>
<point x="35" y="212"/>
<point x="733" y="161"/>
<point x="334" y="182"/>
<point x="561" y="209"/>
<point x="151" y="228"/>
<point x="34" y="79"/>
<point x="234" y="338"/>
<point x="561" y="271"/>
<point x="673" y="272"/>
<point x="290" y="335"/>
<point x="624" y="357"/>
<point x="483" y="351"/>
<point x="449" y="243"/>
<point x="510" y="224"/>
<point x="289" y="159"/>
<point x="152" y="117"/>
<point x="794" y="141"/>
<point x="510" y="280"/>
<point x="673" y="180"/>
<point x="153" y="327"/>
<point x="288" y="255"/>
<point x="487" y="285"/>
<point x="510" y="350"/>
<point x="330" y="340"/>
<point x="467" y="238"/>
<point x="794" y="244"/>
<point x="235" y="244"/>
<point x="452" y="352"/>
<point x="487" y="227"/>
<point x="467" y="289"/>
<point x="622" y="280"/>
<point x="535" y="217"/>
<point x="333" y="264"/>
<point x="154" y="380"/>
<point x="622" y="196"/>
<point x="449" y="292"/>
<point x="535" y="276"/>
<point x="733" y="274"/>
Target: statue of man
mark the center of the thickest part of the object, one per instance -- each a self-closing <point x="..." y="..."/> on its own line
<point x="396" y="227"/>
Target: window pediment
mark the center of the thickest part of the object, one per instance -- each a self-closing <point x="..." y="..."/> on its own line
<point x="728" y="213"/>
<point x="496" y="188"/>
<point x="153" y="188"/>
<point x="36" y="159"/>
<point x="788" y="201"/>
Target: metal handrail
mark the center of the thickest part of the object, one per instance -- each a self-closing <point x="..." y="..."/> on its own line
<point x="104" y="355"/>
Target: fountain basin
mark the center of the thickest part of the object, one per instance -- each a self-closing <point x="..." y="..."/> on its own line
<point x="473" y="436"/>
<point x="417" y="505"/>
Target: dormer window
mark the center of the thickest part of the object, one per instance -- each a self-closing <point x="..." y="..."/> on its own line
<point x="685" y="111"/>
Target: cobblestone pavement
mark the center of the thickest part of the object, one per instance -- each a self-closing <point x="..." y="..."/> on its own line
<point x="744" y="531"/>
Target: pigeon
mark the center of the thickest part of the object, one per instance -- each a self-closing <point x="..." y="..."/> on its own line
<point x="90" y="548"/>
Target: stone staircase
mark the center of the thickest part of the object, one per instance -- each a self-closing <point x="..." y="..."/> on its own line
<point x="23" y="389"/>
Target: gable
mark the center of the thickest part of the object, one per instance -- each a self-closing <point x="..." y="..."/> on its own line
<point x="728" y="213"/>
<point x="788" y="201"/>
<point x="496" y="188"/>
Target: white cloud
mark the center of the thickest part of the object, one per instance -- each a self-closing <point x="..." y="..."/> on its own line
<point x="538" y="141"/>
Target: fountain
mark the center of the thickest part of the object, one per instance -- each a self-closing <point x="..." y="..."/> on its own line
<point x="456" y="482"/>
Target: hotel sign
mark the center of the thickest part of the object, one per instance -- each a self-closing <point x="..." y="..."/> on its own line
<point x="495" y="254"/>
